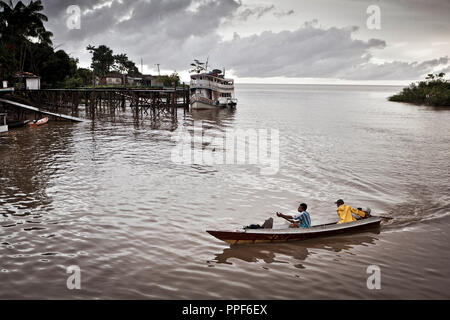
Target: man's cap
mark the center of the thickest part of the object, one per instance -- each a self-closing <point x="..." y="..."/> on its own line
<point x="340" y="201"/>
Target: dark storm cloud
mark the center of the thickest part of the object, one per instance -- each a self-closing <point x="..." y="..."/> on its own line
<point x="306" y="52"/>
<point x="312" y="52"/>
<point x="167" y="18"/>
<point x="257" y="11"/>
<point x="173" y="32"/>
<point x="170" y="32"/>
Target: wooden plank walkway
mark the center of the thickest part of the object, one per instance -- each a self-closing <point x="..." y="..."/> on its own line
<point x="24" y="106"/>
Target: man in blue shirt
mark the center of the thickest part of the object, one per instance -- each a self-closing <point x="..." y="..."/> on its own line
<point x="300" y="220"/>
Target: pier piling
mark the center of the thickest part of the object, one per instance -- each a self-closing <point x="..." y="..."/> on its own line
<point x="101" y="102"/>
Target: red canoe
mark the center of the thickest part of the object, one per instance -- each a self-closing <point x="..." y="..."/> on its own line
<point x="38" y="122"/>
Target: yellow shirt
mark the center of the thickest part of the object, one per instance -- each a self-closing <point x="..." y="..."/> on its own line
<point x="345" y="213"/>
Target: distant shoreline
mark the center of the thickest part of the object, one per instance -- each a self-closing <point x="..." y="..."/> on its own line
<point x="434" y="91"/>
<point x="323" y="84"/>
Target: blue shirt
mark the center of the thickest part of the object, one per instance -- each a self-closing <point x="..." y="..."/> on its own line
<point x="304" y="218"/>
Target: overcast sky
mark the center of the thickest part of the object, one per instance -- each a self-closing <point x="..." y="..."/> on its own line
<point x="287" y="41"/>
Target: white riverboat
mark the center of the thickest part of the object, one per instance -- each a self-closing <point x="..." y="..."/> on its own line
<point x="210" y="90"/>
<point x="3" y="125"/>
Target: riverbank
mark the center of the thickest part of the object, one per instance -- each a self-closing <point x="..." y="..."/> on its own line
<point x="434" y="91"/>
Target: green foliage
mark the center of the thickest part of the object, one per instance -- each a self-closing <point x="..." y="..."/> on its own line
<point x="56" y="68"/>
<point x="169" y="81"/>
<point x="81" y="78"/>
<point x="6" y="63"/>
<point x="124" y="66"/>
<point x="73" y="82"/>
<point x="86" y="76"/>
<point x="102" y="59"/>
<point x="26" y="45"/>
<point x="21" y="26"/>
<point x="434" y="91"/>
<point x="198" y="66"/>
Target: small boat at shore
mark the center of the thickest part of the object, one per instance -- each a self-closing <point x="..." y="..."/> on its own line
<point x="293" y="234"/>
<point x="37" y="123"/>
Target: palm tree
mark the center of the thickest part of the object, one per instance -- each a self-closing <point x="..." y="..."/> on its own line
<point x="20" y="25"/>
<point x="197" y="66"/>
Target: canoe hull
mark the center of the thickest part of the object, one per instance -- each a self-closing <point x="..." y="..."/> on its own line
<point x="284" y="235"/>
<point x="39" y="123"/>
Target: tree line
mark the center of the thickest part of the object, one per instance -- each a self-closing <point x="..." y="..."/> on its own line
<point x="433" y="91"/>
<point x="26" y="45"/>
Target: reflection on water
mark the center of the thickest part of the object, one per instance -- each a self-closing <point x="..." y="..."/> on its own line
<point x="218" y="116"/>
<point x="30" y="156"/>
<point x="299" y="250"/>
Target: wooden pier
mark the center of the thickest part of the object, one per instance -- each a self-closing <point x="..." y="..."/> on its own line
<point x="40" y="111"/>
<point x="92" y="103"/>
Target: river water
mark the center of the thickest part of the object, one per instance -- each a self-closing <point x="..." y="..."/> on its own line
<point x="109" y="197"/>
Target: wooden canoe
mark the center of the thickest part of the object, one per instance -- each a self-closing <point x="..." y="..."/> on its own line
<point x="39" y="122"/>
<point x="283" y="235"/>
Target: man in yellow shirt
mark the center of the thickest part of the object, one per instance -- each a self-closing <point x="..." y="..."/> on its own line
<point x="345" y="212"/>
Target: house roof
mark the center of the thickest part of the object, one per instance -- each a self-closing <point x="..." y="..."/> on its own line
<point x="147" y="77"/>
